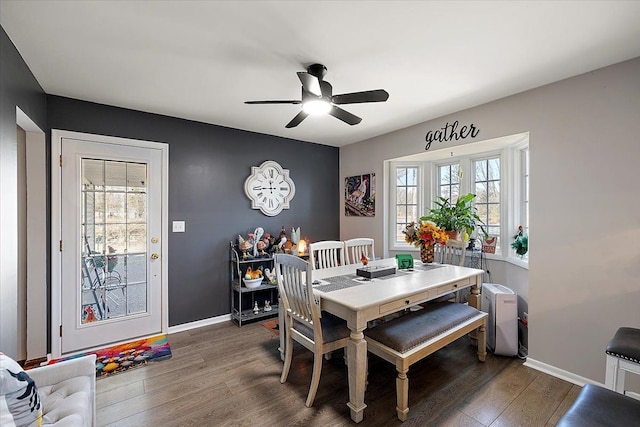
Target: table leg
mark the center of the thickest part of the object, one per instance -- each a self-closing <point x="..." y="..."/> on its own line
<point x="474" y="301"/>
<point x="357" y="366"/>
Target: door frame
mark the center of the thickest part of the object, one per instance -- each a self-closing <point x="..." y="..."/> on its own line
<point x="56" y="225"/>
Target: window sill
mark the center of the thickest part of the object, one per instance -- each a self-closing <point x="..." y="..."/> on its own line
<point x="403" y="248"/>
<point x="518" y="262"/>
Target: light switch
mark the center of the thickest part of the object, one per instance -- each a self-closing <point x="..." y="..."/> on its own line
<point x="178" y="226"/>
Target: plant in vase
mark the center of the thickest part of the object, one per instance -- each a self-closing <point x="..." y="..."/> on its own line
<point x="457" y="217"/>
<point x="424" y="235"/>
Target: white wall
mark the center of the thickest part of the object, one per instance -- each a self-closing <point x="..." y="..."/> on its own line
<point x="584" y="261"/>
<point x="22" y="242"/>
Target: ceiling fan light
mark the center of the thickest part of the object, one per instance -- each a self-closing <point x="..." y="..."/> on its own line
<point x="316" y="106"/>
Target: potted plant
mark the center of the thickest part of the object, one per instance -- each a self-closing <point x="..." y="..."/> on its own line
<point x="455" y="217"/>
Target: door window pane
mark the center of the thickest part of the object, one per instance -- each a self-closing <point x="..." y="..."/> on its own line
<point x="114" y="239"/>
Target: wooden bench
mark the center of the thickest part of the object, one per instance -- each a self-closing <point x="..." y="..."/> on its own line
<point x="412" y="337"/>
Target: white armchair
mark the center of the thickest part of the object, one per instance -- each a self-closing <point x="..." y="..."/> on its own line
<point x="67" y="391"/>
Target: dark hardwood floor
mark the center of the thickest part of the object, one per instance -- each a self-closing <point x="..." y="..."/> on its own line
<point x="223" y="375"/>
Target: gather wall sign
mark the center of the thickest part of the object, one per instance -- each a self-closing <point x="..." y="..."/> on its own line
<point x="450" y="132"/>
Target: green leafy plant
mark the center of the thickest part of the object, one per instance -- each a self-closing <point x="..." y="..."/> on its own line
<point x="520" y="242"/>
<point x="460" y="216"/>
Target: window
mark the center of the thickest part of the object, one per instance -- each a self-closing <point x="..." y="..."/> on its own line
<point x="496" y="171"/>
<point x="406" y="198"/>
<point x="487" y="190"/>
<point x="449" y="181"/>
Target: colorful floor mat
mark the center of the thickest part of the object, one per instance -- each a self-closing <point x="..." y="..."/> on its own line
<point x="272" y="325"/>
<point x="122" y="357"/>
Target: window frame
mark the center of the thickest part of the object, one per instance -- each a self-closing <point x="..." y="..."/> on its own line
<point x="517" y="214"/>
<point x="503" y="184"/>
<point x="394" y="165"/>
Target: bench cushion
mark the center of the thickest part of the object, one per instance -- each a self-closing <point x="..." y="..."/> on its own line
<point x="625" y="344"/>
<point x="409" y="331"/>
<point x="598" y="406"/>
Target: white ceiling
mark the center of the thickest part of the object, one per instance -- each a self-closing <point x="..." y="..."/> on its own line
<point x="200" y="60"/>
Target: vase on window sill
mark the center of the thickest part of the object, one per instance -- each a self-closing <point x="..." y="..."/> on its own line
<point x="427" y="253"/>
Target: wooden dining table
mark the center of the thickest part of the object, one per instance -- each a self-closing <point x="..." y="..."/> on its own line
<point x="359" y="300"/>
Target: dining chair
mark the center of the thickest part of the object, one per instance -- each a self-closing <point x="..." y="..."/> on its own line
<point x="452" y="252"/>
<point x="326" y="254"/>
<point x="304" y="323"/>
<point x="354" y="248"/>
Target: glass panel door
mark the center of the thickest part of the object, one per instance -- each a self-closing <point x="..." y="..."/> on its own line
<point x="111" y="228"/>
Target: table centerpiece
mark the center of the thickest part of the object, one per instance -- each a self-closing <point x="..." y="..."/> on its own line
<point x="424" y="235"/>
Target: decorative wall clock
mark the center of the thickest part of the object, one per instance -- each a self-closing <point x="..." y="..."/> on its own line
<point x="269" y="188"/>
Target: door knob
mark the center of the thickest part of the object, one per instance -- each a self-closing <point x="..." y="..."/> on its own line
<point x="154" y="256"/>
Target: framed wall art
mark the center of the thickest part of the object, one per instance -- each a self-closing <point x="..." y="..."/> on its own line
<point x="360" y="195"/>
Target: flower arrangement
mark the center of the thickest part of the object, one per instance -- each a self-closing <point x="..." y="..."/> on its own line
<point x="424" y="233"/>
<point x="520" y="242"/>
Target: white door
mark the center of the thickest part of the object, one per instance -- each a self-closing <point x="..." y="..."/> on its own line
<point x="111" y="233"/>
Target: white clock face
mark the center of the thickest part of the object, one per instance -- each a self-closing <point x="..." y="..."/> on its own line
<point x="269" y="188"/>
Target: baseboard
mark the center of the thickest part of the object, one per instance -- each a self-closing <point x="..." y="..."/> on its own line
<point x="568" y="376"/>
<point x="559" y="373"/>
<point x="632" y="394"/>
<point x="199" y="323"/>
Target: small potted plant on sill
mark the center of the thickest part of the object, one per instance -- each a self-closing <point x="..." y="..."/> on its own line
<point x="520" y="242"/>
<point x="457" y="217"/>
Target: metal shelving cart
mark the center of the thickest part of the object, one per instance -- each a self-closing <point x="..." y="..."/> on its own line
<point x="243" y="299"/>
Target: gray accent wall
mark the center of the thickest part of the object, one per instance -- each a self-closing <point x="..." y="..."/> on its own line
<point x="207" y="168"/>
<point x="18" y="88"/>
<point x="584" y="259"/>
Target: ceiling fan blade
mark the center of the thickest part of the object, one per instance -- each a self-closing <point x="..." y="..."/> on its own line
<point x="273" y="102"/>
<point x="345" y="116"/>
<point x="297" y="119"/>
<point x="310" y="83"/>
<point x="378" y="95"/>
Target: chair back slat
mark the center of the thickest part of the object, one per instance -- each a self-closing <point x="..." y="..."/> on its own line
<point x="296" y="291"/>
<point x="326" y="254"/>
<point x="354" y="248"/>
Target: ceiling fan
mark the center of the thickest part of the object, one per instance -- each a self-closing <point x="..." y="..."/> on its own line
<point x="317" y="98"/>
